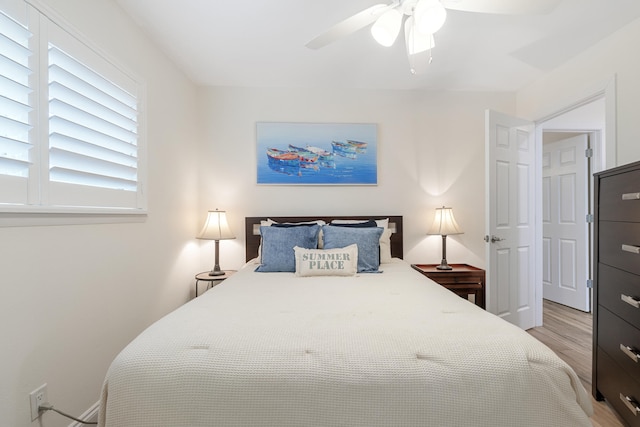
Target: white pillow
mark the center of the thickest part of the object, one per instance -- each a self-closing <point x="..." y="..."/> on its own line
<point x="326" y="262"/>
<point x="385" y="246"/>
<point x="385" y="238"/>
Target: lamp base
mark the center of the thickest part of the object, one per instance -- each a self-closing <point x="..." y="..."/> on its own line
<point x="216" y="271"/>
<point x="443" y="265"/>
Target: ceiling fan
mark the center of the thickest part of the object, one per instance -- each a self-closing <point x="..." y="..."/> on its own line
<point x="422" y="18"/>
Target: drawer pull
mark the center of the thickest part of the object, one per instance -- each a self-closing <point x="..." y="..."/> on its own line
<point x="631" y="248"/>
<point x="630" y="403"/>
<point x="630" y="300"/>
<point x="633" y="355"/>
<point x="631" y="196"/>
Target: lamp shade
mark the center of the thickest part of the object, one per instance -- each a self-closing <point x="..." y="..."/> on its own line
<point x="444" y="223"/>
<point x="216" y="227"/>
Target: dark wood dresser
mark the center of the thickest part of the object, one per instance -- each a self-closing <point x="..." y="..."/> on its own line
<point x="616" y="316"/>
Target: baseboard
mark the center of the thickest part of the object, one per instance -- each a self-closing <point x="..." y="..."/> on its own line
<point x="90" y="415"/>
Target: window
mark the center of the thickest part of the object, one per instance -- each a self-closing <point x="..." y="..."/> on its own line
<point x="69" y="121"/>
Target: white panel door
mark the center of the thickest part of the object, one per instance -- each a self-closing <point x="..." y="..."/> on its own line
<point x="565" y="229"/>
<point x="510" y="203"/>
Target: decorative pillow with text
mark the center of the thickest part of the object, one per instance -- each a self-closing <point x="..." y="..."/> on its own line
<point x="326" y="262"/>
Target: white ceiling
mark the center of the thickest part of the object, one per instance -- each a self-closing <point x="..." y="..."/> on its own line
<point x="261" y="43"/>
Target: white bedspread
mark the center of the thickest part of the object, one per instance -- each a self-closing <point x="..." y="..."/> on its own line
<point x="390" y="349"/>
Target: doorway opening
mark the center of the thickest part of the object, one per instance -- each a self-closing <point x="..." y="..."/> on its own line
<point x="573" y="148"/>
<point x="566" y="217"/>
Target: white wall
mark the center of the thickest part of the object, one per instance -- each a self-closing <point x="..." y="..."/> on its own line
<point x="430" y="153"/>
<point x="71" y="297"/>
<point x="613" y="58"/>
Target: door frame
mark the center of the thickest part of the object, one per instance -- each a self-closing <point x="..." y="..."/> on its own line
<point x="609" y="150"/>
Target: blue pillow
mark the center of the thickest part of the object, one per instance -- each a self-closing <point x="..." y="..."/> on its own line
<point x="278" y="243"/>
<point x="367" y="239"/>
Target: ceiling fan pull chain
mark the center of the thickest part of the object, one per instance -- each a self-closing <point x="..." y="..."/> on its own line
<point x="431" y="51"/>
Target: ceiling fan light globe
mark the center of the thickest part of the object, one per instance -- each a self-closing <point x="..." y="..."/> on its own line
<point x="429" y="16"/>
<point x="415" y="41"/>
<point x="386" y="29"/>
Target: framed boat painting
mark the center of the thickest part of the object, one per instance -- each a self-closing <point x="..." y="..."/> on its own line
<point x="317" y="153"/>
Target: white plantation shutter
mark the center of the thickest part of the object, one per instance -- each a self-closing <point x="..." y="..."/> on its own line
<point x="15" y="110"/>
<point x="92" y="127"/>
<point x="86" y="153"/>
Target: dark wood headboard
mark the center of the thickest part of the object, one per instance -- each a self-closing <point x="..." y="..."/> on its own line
<point x="252" y="230"/>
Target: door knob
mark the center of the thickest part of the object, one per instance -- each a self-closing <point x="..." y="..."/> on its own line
<point x="492" y="239"/>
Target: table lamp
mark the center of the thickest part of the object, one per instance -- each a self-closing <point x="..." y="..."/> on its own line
<point x="216" y="228"/>
<point x="444" y="224"/>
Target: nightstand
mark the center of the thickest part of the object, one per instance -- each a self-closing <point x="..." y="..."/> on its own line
<point x="463" y="279"/>
<point x="211" y="280"/>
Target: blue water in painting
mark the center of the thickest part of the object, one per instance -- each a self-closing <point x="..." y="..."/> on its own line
<point x="359" y="168"/>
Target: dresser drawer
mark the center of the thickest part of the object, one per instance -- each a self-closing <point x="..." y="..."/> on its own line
<point x="612" y="205"/>
<point x="619" y="292"/>
<point x="620" y="245"/>
<point x="620" y="341"/>
<point x="615" y="384"/>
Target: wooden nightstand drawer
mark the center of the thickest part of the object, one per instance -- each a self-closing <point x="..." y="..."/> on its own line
<point x="472" y="278"/>
<point x="465" y="280"/>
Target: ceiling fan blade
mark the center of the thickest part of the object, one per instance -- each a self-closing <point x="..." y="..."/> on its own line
<point x="506" y="7"/>
<point x="351" y="25"/>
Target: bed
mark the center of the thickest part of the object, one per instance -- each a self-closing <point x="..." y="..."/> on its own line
<point x="379" y="348"/>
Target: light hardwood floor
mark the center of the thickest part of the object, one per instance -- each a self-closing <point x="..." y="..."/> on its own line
<point x="568" y="332"/>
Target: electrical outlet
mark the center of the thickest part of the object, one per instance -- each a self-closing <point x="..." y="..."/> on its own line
<point x="37" y="397"/>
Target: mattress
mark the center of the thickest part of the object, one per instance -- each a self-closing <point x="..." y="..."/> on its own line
<point x="389" y="349"/>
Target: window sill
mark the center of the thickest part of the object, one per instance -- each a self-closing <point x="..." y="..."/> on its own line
<point x="33" y="216"/>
